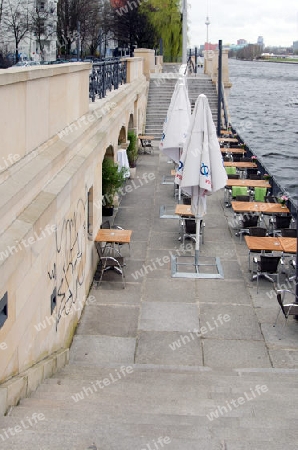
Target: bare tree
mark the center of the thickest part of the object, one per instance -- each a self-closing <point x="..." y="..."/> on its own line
<point x="15" y="17"/>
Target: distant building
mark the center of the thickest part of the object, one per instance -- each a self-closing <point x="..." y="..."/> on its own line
<point x="45" y="22"/>
<point x="295" y="46"/>
<point x="241" y="42"/>
<point x="260" y="42"/>
<point x="209" y="46"/>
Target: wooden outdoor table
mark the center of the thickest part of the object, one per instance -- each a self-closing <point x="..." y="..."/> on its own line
<point x="183" y="210"/>
<point x="261" y="207"/>
<point x="289" y="245"/>
<point x="113" y="235"/>
<point x="248" y="183"/>
<point x="227" y="139"/>
<point x="233" y="150"/>
<point x="226" y="132"/>
<point x="267" y="243"/>
<point x="243" y="165"/>
<point x="147" y="138"/>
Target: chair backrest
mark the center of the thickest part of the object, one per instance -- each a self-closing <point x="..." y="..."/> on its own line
<point x="186" y="200"/>
<point x="269" y="263"/>
<point x="252" y="171"/>
<point x="257" y="231"/>
<point x="230" y="170"/>
<point x="234" y="176"/>
<point x="249" y="221"/>
<point x="242" y="198"/>
<point x="105" y="225"/>
<point x="239" y="190"/>
<point x="271" y="199"/>
<point x="282" y="221"/>
<point x="260" y="194"/>
<point x="190" y="226"/>
<point x="288" y="232"/>
<point x="254" y="176"/>
<point x="236" y="158"/>
<point x="245" y="159"/>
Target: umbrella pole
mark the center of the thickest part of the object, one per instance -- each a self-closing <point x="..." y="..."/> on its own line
<point x="197" y="248"/>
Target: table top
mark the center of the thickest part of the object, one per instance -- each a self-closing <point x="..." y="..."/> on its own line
<point x="113" y="235"/>
<point x="271" y="208"/>
<point x="227" y="139"/>
<point x="240" y="164"/>
<point x="234" y="150"/>
<point x="183" y="210"/>
<point x="289" y="245"/>
<point x="248" y="183"/>
<point x="226" y="132"/>
<point x="263" y="243"/>
<point x="149" y="138"/>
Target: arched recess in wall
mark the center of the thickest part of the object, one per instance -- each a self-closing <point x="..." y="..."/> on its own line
<point x="131" y="123"/>
<point x="122" y="136"/>
<point x="109" y="152"/>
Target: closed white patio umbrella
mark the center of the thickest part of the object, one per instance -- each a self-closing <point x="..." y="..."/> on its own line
<point x="201" y="170"/>
<point x="177" y="122"/>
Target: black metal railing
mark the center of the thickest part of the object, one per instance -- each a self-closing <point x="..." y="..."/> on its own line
<point x="106" y="75"/>
<point x="276" y="189"/>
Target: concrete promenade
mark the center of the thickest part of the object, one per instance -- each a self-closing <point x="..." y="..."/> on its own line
<point x="178" y="364"/>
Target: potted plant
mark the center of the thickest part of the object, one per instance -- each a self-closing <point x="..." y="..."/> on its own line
<point x="282" y="200"/>
<point x="132" y="152"/>
<point x="112" y="180"/>
<point x="266" y="176"/>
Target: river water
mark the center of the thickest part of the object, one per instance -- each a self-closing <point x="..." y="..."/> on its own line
<point x="263" y="105"/>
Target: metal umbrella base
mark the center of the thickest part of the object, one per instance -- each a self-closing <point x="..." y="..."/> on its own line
<point x="196" y="267"/>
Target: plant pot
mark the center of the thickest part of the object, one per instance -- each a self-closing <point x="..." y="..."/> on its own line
<point x="132" y="171"/>
<point x="107" y="210"/>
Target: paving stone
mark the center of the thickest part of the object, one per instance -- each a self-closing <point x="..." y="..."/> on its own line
<point x="109" y="320"/>
<point x="179" y="290"/>
<point x="166" y="316"/>
<point x="231" y="353"/>
<point x="229" y="322"/>
<point x="169" y="348"/>
<point x="102" y="349"/>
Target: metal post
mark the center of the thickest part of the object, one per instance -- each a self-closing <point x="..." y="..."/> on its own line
<point x="219" y="87"/>
<point x="296" y="279"/>
<point x="78" y="39"/>
<point x="196" y="60"/>
<point x="184" y="32"/>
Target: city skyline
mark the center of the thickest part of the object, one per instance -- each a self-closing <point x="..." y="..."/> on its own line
<point x="232" y="20"/>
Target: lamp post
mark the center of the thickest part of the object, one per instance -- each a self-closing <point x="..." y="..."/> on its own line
<point x="184" y="32"/>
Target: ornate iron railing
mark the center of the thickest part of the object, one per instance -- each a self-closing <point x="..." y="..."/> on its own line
<point x="106" y="75"/>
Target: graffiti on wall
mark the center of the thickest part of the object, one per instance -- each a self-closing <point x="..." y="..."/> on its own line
<point x="68" y="272"/>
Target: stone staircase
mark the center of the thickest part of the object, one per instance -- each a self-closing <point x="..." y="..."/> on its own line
<point x="149" y="407"/>
<point x="161" y="89"/>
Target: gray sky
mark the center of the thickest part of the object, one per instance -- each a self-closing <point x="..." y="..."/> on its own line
<point x="230" y="20"/>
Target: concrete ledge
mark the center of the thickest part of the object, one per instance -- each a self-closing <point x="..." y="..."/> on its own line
<point x="23" y="74"/>
<point x="21" y="386"/>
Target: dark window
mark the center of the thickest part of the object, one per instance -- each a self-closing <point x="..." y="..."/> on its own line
<point x="3" y="309"/>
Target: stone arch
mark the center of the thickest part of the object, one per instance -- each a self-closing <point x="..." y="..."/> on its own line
<point x="131" y="122"/>
<point x="122" y="136"/>
<point x="109" y="152"/>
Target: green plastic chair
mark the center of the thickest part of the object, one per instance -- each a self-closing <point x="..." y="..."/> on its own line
<point x="231" y="170"/>
<point x="260" y="194"/>
<point x="239" y="190"/>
